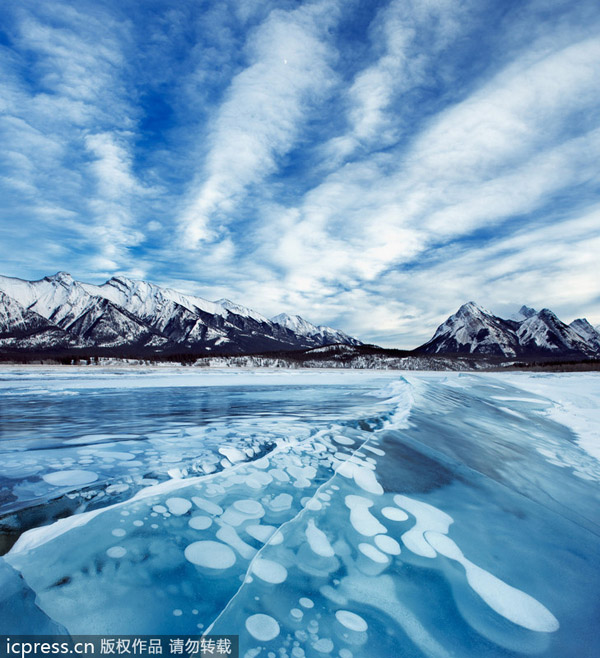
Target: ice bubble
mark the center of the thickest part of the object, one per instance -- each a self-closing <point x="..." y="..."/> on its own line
<point x="119" y="532"/>
<point x="368" y="550"/>
<point x="207" y="506"/>
<point x="138" y="523"/>
<point x="210" y="554"/>
<point x="511" y="603"/>
<point x="361" y="519"/>
<point x="314" y="505"/>
<point x="70" y="478"/>
<point x="261" y="532"/>
<point x="302" y="474"/>
<point x="375" y="451"/>
<point x="428" y="518"/>
<point x="351" y="621"/>
<point x="116" y="551"/>
<point x="178" y="506"/>
<point x="318" y="541"/>
<point x="324" y="645"/>
<point x="343" y="440"/>
<point x="281" y="502"/>
<point x="387" y="544"/>
<point x="116" y="488"/>
<point x="363" y="477"/>
<point x="279" y="474"/>
<point x="346" y="653"/>
<point x="159" y="509"/>
<point x="200" y="522"/>
<point x="262" y="627"/>
<point x="296" y="613"/>
<point x="249" y="507"/>
<point x="232" y="454"/>
<point x="394" y="514"/>
<point x="269" y="571"/>
<point x="306" y="603"/>
<point x="177" y="612"/>
<point x="228" y="534"/>
<point x="258" y="480"/>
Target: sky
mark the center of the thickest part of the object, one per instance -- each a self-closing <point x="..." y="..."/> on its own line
<point x="367" y="165"/>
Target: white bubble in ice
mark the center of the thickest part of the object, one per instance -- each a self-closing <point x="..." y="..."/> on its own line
<point x="116" y="551"/>
<point x="394" y="514"/>
<point x="508" y="601"/>
<point x="428" y="518"/>
<point x="262" y="627"/>
<point x="200" y="522"/>
<point x="249" y="507"/>
<point x="346" y="653"/>
<point x="119" y="532"/>
<point x="138" y="523"/>
<point x="372" y="553"/>
<point x="159" y="509"/>
<point x="269" y="571"/>
<point x="70" y="478"/>
<point x="178" y="506"/>
<point x="296" y="613"/>
<point x="318" y="541"/>
<point x="177" y="612"/>
<point x="314" y="505"/>
<point x="207" y="506"/>
<point x="210" y="554"/>
<point x="351" y="621"/>
<point x="343" y="440"/>
<point x="361" y="519"/>
<point x="281" y="502"/>
<point x="323" y="645"/>
<point x="387" y="544"/>
<point x="306" y="603"/>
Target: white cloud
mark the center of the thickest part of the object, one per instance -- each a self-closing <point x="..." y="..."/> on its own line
<point x="259" y="121"/>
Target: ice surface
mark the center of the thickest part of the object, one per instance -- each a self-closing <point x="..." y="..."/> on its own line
<point x="352" y="517"/>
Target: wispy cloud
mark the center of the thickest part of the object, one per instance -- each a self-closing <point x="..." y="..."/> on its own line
<point x="265" y="105"/>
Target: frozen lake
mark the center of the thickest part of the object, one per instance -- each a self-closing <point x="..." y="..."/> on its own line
<point x="347" y="513"/>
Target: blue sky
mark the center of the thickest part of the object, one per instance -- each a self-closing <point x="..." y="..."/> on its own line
<point x="368" y="165"/>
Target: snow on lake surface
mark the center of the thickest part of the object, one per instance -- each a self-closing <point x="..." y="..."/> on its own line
<point x="345" y="513"/>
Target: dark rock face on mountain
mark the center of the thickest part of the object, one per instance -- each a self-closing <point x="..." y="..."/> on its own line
<point x="58" y="312"/>
<point x="473" y="330"/>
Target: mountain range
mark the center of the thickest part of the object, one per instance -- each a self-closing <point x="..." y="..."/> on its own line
<point x="529" y="333"/>
<point x="136" y="317"/>
<point x="59" y="315"/>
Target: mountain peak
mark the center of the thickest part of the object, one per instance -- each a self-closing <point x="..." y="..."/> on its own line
<point x="61" y="277"/>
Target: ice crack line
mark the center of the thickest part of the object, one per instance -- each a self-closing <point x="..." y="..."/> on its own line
<point x="296" y="517"/>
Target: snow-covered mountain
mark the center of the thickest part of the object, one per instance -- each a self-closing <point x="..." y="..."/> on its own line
<point x="585" y="330"/>
<point x="139" y="316"/>
<point x="324" y="335"/>
<point x="473" y="330"/>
